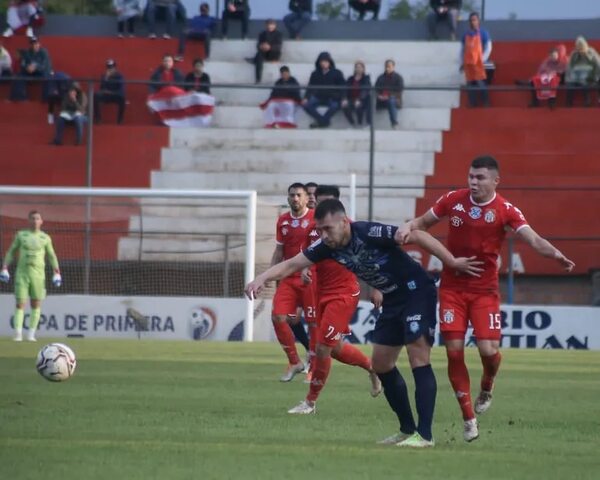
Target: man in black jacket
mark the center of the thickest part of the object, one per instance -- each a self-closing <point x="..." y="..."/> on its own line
<point x="325" y="75"/>
<point x="166" y="74"/>
<point x="389" y="91"/>
<point x="443" y="11"/>
<point x="286" y="87"/>
<point x="238" y="10"/>
<point x="112" y="90"/>
<point x="299" y="18"/>
<point x="198" y="80"/>
<point x="35" y="62"/>
<point x="364" y="6"/>
<point x="268" y="47"/>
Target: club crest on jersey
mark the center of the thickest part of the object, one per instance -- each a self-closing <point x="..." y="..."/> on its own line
<point x="305" y="223"/>
<point x="475" y="213"/>
<point x="295" y="223"/>
<point x="456" y="221"/>
<point x="459" y="207"/>
<point x="448" y="316"/>
<point x="490" y="216"/>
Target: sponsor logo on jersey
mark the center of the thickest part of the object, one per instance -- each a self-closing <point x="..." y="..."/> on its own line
<point x="490" y="216"/>
<point x="295" y="223"/>
<point x="313" y="233"/>
<point x="389" y="231"/>
<point x="448" y="315"/>
<point x="375" y="231"/>
<point x="456" y="221"/>
<point x="475" y="213"/>
<point x="412" y="285"/>
<point x="414" y="318"/>
<point x="414" y="327"/>
<point x="459" y="207"/>
<point x="284" y="231"/>
<point x="305" y="223"/>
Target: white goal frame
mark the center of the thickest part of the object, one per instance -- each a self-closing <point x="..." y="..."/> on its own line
<point x="248" y="195"/>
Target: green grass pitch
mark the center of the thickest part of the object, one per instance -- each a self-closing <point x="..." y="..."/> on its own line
<point x="186" y="410"/>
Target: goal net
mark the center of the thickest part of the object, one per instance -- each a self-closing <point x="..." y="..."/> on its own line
<point x="141" y="242"/>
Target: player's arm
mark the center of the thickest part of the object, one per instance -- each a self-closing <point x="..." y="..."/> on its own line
<point x="8" y="258"/>
<point x="56" y="278"/>
<point x="544" y="247"/>
<point x="470" y="265"/>
<point x="277" y="272"/>
<point x="277" y="256"/>
<point x="424" y="223"/>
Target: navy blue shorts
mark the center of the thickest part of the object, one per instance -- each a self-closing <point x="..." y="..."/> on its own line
<point x="403" y="323"/>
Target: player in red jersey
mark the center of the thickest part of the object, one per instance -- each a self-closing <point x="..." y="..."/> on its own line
<point x="293" y="229"/>
<point x="311" y="189"/>
<point x="478" y="220"/>
<point x="337" y="293"/>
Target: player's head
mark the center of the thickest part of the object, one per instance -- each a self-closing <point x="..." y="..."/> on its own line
<point x="35" y="220"/>
<point x="484" y="176"/>
<point x="297" y="198"/>
<point x="327" y="192"/>
<point x="332" y="223"/>
<point x="311" y="188"/>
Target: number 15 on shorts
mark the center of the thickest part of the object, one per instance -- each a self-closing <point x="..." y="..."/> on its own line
<point x="495" y="321"/>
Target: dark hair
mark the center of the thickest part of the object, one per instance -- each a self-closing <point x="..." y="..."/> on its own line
<point x="285" y="68"/>
<point x="329" y="206"/>
<point x="198" y="61"/>
<point x="271" y="20"/>
<point x="204" y="6"/>
<point x="485" y="161"/>
<point x="32" y="213"/>
<point x="297" y="185"/>
<point x="311" y="184"/>
<point x="329" y="190"/>
<point x="389" y="60"/>
<point x="473" y="14"/>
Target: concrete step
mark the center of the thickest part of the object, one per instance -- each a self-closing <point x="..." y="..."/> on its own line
<point x="299" y="139"/>
<point x="408" y="118"/>
<point x="345" y="51"/>
<point x="433" y="74"/>
<point x="275" y="183"/>
<point x="294" y="161"/>
<point x="410" y="98"/>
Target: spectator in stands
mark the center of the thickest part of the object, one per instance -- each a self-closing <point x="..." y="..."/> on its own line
<point x="280" y="108"/>
<point x="237" y="10"/>
<point x="127" y="10"/>
<point x="197" y="80"/>
<point x="171" y="8"/>
<point x="390" y="85"/>
<point x="475" y="51"/>
<point x="72" y="111"/>
<point x="550" y="74"/>
<point x="364" y="6"/>
<point x="57" y="86"/>
<point x="583" y="71"/>
<point x="166" y="74"/>
<point x="6" y="69"/>
<point x="286" y="86"/>
<point x="35" y="62"/>
<point x="357" y="96"/>
<point x="324" y="75"/>
<point x="200" y="27"/>
<point x="299" y="18"/>
<point x="268" y="48"/>
<point x="112" y="90"/>
<point x="443" y="11"/>
<point x="22" y="15"/>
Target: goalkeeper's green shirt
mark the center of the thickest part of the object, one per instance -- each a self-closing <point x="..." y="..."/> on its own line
<point x="33" y="248"/>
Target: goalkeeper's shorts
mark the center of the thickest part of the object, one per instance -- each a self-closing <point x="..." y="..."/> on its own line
<point x="29" y="285"/>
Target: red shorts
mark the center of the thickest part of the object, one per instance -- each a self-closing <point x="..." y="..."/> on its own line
<point x="457" y="308"/>
<point x="333" y="317"/>
<point x="292" y="293"/>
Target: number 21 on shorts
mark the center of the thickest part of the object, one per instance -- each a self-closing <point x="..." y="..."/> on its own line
<point x="495" y="321"/>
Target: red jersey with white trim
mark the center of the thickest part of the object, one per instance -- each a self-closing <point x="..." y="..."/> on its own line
<point x="476" y="229"/>
<point x="292" y="233"/>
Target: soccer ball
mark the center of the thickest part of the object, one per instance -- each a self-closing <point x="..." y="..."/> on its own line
<point x="56" y="362"/>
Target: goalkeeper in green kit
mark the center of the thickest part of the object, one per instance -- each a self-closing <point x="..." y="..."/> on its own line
<point x="32" y="246"/>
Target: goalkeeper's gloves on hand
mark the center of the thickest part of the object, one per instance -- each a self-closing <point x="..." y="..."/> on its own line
<point x="57" y="280"/>
<point x="4" y="276"/>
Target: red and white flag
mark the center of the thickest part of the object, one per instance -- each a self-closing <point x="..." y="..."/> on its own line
<point x="279" y="113"/>
<point x="178" y="108"/>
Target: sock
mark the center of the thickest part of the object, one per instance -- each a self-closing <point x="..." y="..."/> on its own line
<point x="286" y="340"/>
<point x="396" y="393"/>
<point x="425" y="392"/>
<point x="320" y="372"/>
<point x="491" y="364"/>
<point x="18" y="319"/>
<point x="350" y="355"/>
<point x="460" y="381"/>
<point x="34" y="319"/>
<point x="300" y="334"/>
<point x="312" y="343"/>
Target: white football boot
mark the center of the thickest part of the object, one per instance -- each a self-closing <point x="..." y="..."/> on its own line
<point x="471" y="430"/>
<point x="304" y="408"/>
<point x="394" y="439"/>
<point x="291" y="372"/>
<point x="483" y="402"/>
<point x="376" y="387"/>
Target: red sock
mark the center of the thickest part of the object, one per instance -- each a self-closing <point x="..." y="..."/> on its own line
<point x="461" y="384"/>
<point x="312" y="343"/>
<point x="286" y="340"/>
<point x="491" y="364"/>
<point x="350" y="355"/>
<point x="320" y="373"/>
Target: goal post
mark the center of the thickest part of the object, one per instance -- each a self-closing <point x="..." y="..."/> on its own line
<point x="135" y="241"/>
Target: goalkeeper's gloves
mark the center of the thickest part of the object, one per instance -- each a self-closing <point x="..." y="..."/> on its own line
<point x="4" y="275"/>
<point x="57" y="280"/>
